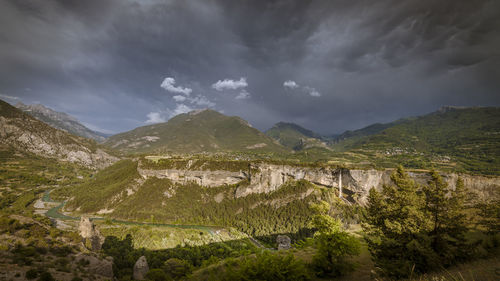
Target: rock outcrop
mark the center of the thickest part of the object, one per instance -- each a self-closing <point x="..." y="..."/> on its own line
<point x="141" y="268"/>
<point x="89" y="231"/>
<point x="284" y="242"/>
<point x="29" y="135"/>
<point x="355" y="183"/>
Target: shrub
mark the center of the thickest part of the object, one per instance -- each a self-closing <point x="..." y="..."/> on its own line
<point x="31" y="274"/>
<point x="157" y="275"/>
<point x="266" y="266"/>
<point x="177" y="267"/>
<point x="46" y="276"/>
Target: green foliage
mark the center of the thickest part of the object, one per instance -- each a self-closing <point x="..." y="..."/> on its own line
<point x="46" y="276"/>
<point x="177" y="268"/>
<point x="31" y="274"/>
<point x="489" y="213"/>
<point x="280" y="211"/>
<point x="203" y="164"/>
<point x="179" y="260"/>
<point x="265" y="266"/>
<point x="468" y="137"/>
<point x="445" y="207"/>
<point x="334" y="245"/>
<point x="157" y="274"/>
<point x="409" y="230"/>
<point x="293" y="136"/>
<point x="93" y="195"/>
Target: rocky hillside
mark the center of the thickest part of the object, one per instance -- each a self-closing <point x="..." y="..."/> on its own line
<point x="61" y="121"/>
<point x="233" y="180"/>
<point x="197" y="131"/>
<point x="294" y="136"/>
<point x="25" y="134"/>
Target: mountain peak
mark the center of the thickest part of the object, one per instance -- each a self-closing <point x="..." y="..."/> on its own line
<point x="203" y="130"/>
<point x="59" y="120"/>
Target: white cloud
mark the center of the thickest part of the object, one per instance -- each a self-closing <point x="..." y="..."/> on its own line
<point x="168" y="84"/>
<point x="229" y="84"/>
<point x="179" y="98"/>
<point x="201" y="101"/>
<point x="290" y="84"/>
<point x="243" y="95"/>
<point x="314" y="93"/>
<point x="179" y="109"/>
<point x="155" y="117"/>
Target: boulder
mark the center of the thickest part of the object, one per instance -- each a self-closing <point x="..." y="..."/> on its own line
<point x="283" y="242"/>
<point x="141" y="268"/>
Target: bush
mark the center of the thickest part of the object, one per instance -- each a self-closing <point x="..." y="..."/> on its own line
<point x="31" y="274"/>
<point x="177" y="268"/>
<point x="334" y="244"/>
<point x="157" y="275"/>
<point x="266" y="266"/>
<point x="46" y="276"/>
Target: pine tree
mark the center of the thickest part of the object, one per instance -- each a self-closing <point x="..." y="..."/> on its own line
<point x="396" y="225"/>
<point x="446" y="209"/>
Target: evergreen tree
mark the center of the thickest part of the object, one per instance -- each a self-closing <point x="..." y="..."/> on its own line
<point x="446" y="209"/>
<point x="396" y="225"/>
<point x="334" y="245"/>
<point x="489" y="213"/>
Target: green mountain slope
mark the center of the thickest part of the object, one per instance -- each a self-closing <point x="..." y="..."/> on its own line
<point x="26" y="135"/>
<point x="470" y="136"/>
<point x="294" y="136"/>
<point x="197" y="131"/>
<point x="366" y="131"/>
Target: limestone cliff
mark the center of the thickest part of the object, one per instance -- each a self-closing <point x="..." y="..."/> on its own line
<point x="355" y="184"/>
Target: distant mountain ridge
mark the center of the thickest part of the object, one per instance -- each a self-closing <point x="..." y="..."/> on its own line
<point x="197" y="131"/>
<point x="469" y="135"/>
<point x="294" y="136"/>
<point x="22" y="133"/>
<point x="61" y="121"/>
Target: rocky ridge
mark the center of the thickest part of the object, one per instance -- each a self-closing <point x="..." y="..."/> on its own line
<point x="24" y="133"/>
<point x="60" y="120"/>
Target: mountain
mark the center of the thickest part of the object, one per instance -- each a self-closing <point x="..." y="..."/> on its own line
<point x="340" y="142"/>
<point x="468" y="135"/>
<point x="24" y="134"/>
<point x="196" y="131"/>
<point x="294" y="136"/>
<point x="61" y="121"/>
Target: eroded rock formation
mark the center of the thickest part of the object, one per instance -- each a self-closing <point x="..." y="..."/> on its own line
<point x="89" y="231"/>
<point x="284" y="242"/>
<point x="141" y="268"/>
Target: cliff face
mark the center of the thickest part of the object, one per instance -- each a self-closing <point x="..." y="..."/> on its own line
<point x="355" y="183"/>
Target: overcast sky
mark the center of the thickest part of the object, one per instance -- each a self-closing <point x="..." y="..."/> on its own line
<point x="326" y="65"/>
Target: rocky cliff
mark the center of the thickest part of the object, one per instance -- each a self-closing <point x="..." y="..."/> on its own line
<point x="355" y="184"/>
<point x="25" y="134"/>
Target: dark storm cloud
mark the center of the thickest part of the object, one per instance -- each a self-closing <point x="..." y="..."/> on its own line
<point x="370" y="61"/>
